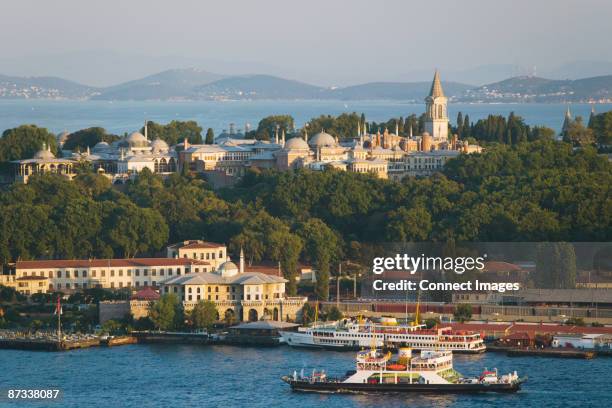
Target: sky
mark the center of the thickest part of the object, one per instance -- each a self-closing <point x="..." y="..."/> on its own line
<point x="326" y="42"/>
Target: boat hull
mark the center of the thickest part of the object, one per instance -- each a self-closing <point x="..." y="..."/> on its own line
<point x="347" y="388"/>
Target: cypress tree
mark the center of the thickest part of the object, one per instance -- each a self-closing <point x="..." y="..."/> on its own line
<point x="210" y="136"/>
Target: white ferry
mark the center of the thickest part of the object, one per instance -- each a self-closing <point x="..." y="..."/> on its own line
<point x="431" y="371"/>
<point x="350" y="335"/>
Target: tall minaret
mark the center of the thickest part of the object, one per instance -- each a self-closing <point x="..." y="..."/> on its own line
<point x="146" y="133"/>
<point x="276" y="135"/>
<point x="436" y="116"/>
<point x="241" y="260"/>
<point x="283" y="137"/>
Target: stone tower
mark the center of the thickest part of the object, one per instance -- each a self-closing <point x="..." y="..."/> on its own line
<point x="436" y="121"/>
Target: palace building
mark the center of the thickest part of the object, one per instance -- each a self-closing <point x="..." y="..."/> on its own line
<point x="385" y="155"/>
<point x="238" y="295"/>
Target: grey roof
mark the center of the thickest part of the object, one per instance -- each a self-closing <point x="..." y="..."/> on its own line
<point x="207" y="278"/>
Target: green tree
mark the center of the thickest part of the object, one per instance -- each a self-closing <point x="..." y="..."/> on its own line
<point x="24" y="141"/>
<point x="406" y="225"/>
<point x="204" y="314"/>
<point x="579" y="135"/>
<point x="334" y="314"/>
<point x="210" y="136"/>
<point x="267" y="127"/>
<point x="84" y="138"/>
<point x="175" y="131"/>
<point x="163" y="313"/>
<point x="601" y="125"/>
<point x="463" y="312"/>
<point x="321" y="245"/>
<point x="308" y="314"/>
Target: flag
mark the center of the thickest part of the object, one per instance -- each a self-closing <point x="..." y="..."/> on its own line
<point x="58" y="308"/>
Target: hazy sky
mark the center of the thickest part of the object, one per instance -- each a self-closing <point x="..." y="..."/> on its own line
<point x="326" y="42"/>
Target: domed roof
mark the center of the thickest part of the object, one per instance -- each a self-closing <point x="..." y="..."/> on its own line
<point x="322" y="139"/>
<point x="137" y="139"/>
<point x="100" y="146"/>
<point x="158" y="146"/>
<point x="296" y="143"/>
<point x="62" y="137"/>
<point x="227" y="268"/>
<point x="44" y="155"/>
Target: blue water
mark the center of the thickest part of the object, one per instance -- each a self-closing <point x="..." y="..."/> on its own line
<point x="120" y="117"/>
<point x="224" y="376"/>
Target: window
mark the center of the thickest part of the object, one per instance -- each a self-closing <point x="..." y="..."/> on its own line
<point x="102" y="273"/>
<point x="59" y="275"/>
<point x="84" y="274"/>
<point x="153" y="272"/>
<point x="161" y="272"/>
<point x="129" y="272"/>
<point x="93" y="273"/>
<point x="137" y="272"/>
<point x="112" y="272"/>
<point x="120" y="272"/>
<point x="175" y="289"/>
<point x="216" y="288"/>
<point x="112" y="284"/>
<point x="189" y="290"/>
<point x="145" y="272"/>
<point x="209" y="288"/>
<point x="51" y="274"/>
<point x="199" y="289"/>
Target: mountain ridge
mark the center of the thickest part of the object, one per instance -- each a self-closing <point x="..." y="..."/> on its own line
<point x="198" y="84"/>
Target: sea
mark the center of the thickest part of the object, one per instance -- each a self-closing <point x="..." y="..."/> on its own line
<point x="127" y="116"/>
<point x="227" y="376"/>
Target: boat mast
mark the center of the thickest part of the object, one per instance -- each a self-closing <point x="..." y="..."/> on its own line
<point x="58" y="310"/>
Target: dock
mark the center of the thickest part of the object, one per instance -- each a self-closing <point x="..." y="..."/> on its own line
<point x="551" y="352"/>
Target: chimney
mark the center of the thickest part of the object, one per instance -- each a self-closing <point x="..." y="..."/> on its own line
<point x="185" y="144"/>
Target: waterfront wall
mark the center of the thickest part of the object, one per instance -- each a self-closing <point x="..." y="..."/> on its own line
<point x="479" y="312"/>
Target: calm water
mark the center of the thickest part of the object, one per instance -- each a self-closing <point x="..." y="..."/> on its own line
<point x="224" y="376"/>
<point x="119" y="117"/>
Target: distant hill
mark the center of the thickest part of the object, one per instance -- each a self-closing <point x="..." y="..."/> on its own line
<point x="258" y="87"/>
<point x="534" y="89"/>
<point x="194" y="84"/>
<point x="170" y="84"/>
<point x="413" y="91"/>
<point x="13" y="87"/>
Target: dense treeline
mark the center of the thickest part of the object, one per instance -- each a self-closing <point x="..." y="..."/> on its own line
<point x="496" y="128"/>
<point x="539" y="191"/>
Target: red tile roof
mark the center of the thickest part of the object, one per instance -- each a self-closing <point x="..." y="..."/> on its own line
<point x="146" y="293"/>
<point x="100" y="263"/>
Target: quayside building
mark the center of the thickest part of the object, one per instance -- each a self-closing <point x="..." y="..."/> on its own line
<point x="193" y="270"/>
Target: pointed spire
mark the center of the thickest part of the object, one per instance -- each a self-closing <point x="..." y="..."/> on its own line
<point x="358" y="129"/>
<point x="411" y="130"/>
<point x="568" y="113"/>
<point x="397" y="128"/>
<point x="88" y="153"/>
<point x="283" y="137"/>
<point x="436" y="86"/>
<point x="146" y="133"/>
<point x="276" y="135"/>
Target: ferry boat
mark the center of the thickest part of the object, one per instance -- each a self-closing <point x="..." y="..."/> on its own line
<point x="351" y="335"/>
<point x="430" y="371"/>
